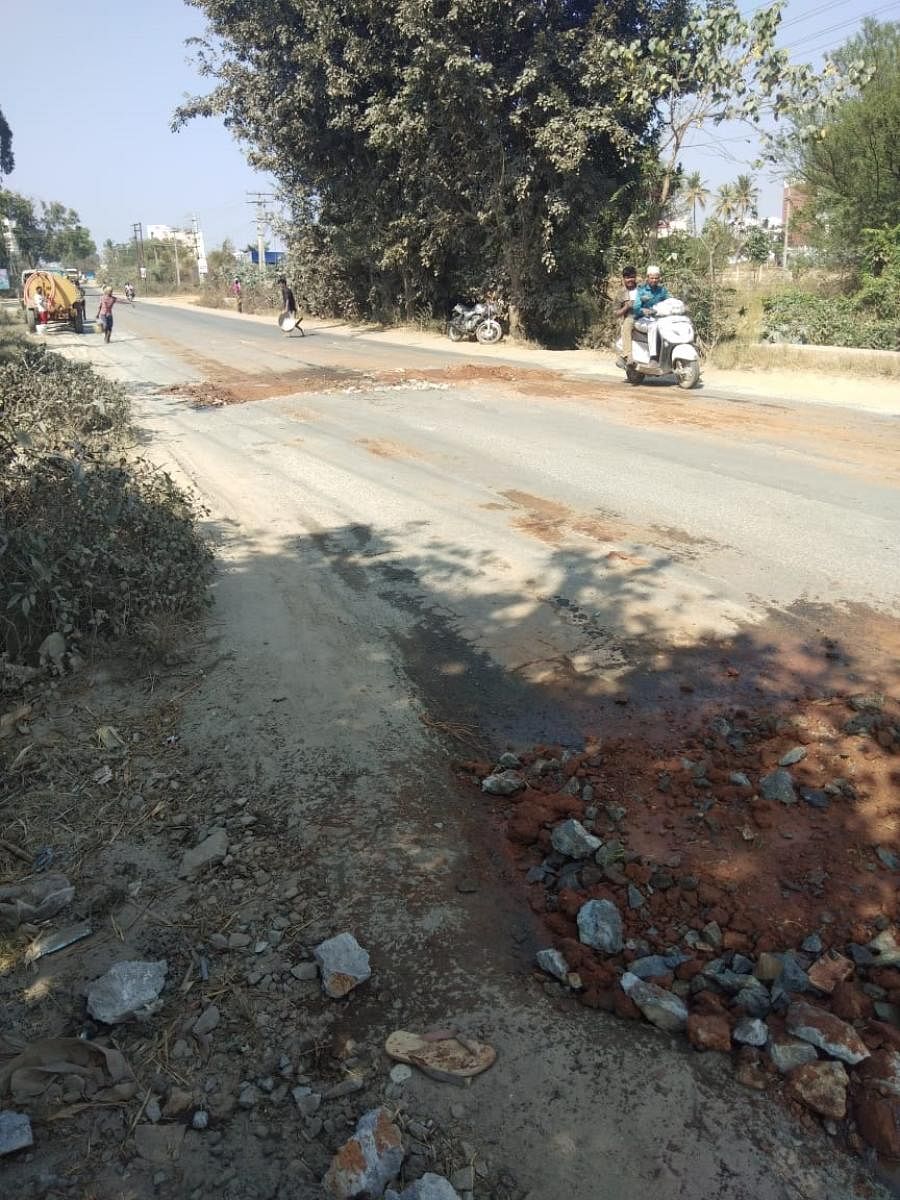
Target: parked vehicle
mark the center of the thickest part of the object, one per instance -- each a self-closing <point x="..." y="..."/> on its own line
<point x="477" y="320"/>
<point x="51" y="298"/>
<point x="663" y="345"/>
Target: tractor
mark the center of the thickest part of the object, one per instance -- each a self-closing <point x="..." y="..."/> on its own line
<point x="63" y="297"/>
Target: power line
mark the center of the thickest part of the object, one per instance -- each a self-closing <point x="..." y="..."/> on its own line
<point x="812" y="37"/>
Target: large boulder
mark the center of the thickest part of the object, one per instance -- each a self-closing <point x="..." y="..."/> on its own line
<point x="821" y="1086"/>
<point x="826" y="1031"/>
<point x="600" y="926"/>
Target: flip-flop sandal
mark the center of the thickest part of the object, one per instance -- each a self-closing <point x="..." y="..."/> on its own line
<point x="445" y="1055"/>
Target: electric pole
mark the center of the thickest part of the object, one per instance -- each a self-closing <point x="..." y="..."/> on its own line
<point x="262" y="217"/>
<point x="177" y="270"/>
<point x="137" y="230"/>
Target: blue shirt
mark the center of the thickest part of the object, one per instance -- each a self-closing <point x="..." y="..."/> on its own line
<point x="647" y="296"/>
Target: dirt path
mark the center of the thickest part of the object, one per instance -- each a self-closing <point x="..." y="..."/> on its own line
<point x="346" y="667"/>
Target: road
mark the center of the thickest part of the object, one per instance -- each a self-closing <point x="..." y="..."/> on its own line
<point x="414" y="544"/>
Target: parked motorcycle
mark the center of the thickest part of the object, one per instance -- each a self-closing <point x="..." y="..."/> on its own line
<point x="663" y="345"/>
<point x="476" y="320"/>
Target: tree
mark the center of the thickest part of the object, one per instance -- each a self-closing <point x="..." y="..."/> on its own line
<point x="695" y="194"/>
<point x="7" y="161"/>
<point x="746" y="198"/>
<point x="724" y="67"/>
<point x="53" y="234"/>
<point x="849" y="164"/>
<point x="759" y="246"/>
<point x="727" y="208"/>
<point x="434" y="147"/>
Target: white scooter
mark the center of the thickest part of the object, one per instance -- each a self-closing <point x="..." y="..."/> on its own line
<point x="663" y="345"/>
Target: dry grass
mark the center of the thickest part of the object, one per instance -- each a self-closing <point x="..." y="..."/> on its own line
<point x="881" y="364"/>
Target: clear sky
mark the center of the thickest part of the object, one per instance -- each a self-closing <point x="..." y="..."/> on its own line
<point x="90" y="89"/>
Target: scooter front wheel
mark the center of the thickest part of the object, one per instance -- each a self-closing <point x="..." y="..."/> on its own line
<point x="687" y="373"/>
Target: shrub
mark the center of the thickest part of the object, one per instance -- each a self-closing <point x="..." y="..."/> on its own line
<point x="91" y="543"/>
<point x="805" y="317"/>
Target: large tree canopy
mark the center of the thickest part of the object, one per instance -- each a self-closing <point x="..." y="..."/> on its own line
<point x="429" y="147"/>
<point x="851" y="167"/>
<point x="7" y="162"/>
<point x="46" y="233"/>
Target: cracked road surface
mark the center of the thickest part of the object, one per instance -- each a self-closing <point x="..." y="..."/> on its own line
<point x="408" y="544"/>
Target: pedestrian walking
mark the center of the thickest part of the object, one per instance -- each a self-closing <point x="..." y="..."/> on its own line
<point x="105" y="312"/>
<point x="237" y="292"/>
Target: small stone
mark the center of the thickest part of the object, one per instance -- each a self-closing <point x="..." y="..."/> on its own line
<point x="712" y="935"/>
<point x="787" y="1053"/>
<point x="885" y="950"/>
<point x="427" y="1187"/>
<point x="53" y="647"/>
<point x="343" y="964"/>
<point x="888" y="858"/>
<point x="651" y="966"/>
<point x="867" y="702"/>
<point x="503" y="783"/>
<point x="308" y="1102"/>
<point x="793" y="756"/>
<point x="573" y="840"/>
<point x="815" y="797"/>
<point x="207" y="1021"/>
<point x="821" y="1086"/>
<point x="553" y="963"/>
<point x="368" y="1161"/>
<point x="709" y="1032"/>
<point x="15" y="1132"/>
<point x="615" y="812"/>
<point x="768" y="967"/>
<point x="830" y="970"/>
<point x="812" y="944"/>
<point x="401" y="1073"/>
<point x="305" y="971"/>
<point x="754" y="999"/>
<point x="152" y="1111"/>
<point x="159" y="1144"/>
<point x="661" y="1008"/>
<point x="463" y="1179"/>
<point x="200" y="1119"/>
<point x="778" y="786"/>
<point x="600" y="926"/>
<point x="211" y="850"/>
<point x="178" y="1102"/>
<point x="249" y="1096"/>
<point x="826" y="1031"/>
<point x="739" y="779"/>
<point x="793" y="978"/>
<point x="127" y="989"/>
<point x="751" y="1032"/>
<point x="238" y="941"/>
<point x="509" y="762"/>
<point x="635" y="898"/>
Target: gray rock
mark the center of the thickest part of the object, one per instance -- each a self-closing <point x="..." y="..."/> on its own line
<point x="15" y="1131"/>
<point x="343" y="964"/>
<point x="787" y="1053"/>
<point x="884" y="949"/>
<point x="53" y="647"/>
<point x="307" y="1101"/>
<point x="400" y="1073"/>
<point x="200" y="1119"/>
<point x="368" y="1161"/>
<point x="503" y="783"/>
<point x="600" y="926"/>
<point x="813" y="944"/>
<point x="867" y="702"/>
<point x="127" y="989"/>
<point x="778" y="786"/>
<point x="754" y="999"/>
<point x="742" y="965"/>
<point x="751" y="1032"/>
<point x="712" y="935"/>
<point x="739" y="779"/>
<point x="464" y="1179"/>
<point x="152" y="1111"/>
<point x="815" y="797"/>
<point x="609" y="853"/>
<point x="861" y="955"/>
<point x="305" y="971"/>
<point x="793" y="756"/>
<point x="888" y="858"/>
<point x="826" y="1031"/>
<point x="207" y="1021"/>
<point x="653" y="965"/>
<point x="661" y="1008"/>
<point x="249" y="1096"/>
<point x="211" y="850"/>
<point x="573" y="840"/>
<point x="427" y="1187"/>
<point x="793" y="978"/>
<point x="509" y="762"/>
<point x="635" y="898"/>
<point x="553" y="963"/>
<point x="615" y="812"/>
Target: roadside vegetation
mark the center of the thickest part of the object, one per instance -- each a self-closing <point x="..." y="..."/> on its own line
<point x="94" y="542"/>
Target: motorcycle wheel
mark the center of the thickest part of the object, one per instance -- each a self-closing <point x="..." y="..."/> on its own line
<point x="489" y="332"/>
<point x="633" y="375"/>
<point x="687" y="373"/>
<point x="454" y="333"/>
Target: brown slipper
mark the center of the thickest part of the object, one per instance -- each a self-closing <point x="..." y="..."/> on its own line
<point x="446" y="1056"/>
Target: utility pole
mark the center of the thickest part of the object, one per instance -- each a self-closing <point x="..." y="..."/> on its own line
<point x="259" y="200"/>
<point x="177" y="270"/>
<point x="786" y="220"/>
<point x="137" y="230"/>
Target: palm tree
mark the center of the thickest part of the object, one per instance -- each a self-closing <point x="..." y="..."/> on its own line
<point x="695" y="193"/>
<point x="726" y="203"/>
<point x="746" y="197"/>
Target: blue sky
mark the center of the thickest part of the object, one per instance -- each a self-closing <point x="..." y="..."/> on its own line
<point x="94" y="132"/>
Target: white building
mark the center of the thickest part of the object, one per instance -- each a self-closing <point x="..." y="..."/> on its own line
<point x="165" y="233"/>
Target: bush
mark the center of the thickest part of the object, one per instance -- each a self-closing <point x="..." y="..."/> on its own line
<point x="805" y="317"/>
<point x="90" y="542"/>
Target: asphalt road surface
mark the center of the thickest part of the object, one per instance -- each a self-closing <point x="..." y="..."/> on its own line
<point x="413" y="543"/>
